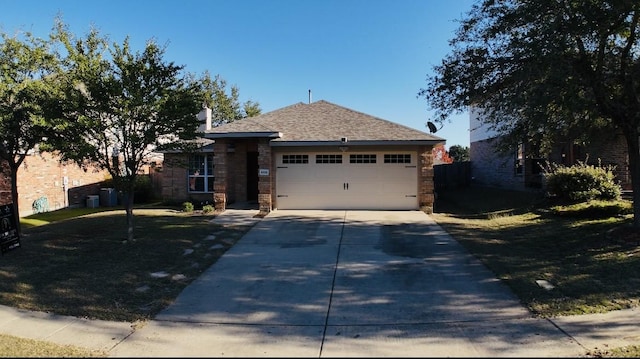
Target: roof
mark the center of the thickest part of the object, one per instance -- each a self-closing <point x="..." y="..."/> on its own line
<point x="321" y="122"/>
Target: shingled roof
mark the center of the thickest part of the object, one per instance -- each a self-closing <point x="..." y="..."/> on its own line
<point x="321" y="121"/>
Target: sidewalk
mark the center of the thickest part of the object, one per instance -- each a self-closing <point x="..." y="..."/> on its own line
<point x="325" y="284"/>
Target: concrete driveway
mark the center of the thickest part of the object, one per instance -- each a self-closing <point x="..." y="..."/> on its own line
<point x="347" y="284"/>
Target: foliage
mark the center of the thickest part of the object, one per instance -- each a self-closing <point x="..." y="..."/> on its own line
<point x="29" y="91"/>
<point x="581" y="182"/>
<point x="207" y="208"/>
<point x="187" y="207"/>
<point x="120" y="106"/>
<point x="142" y="188"/>
<point x="441" y="155"/>
<point x="459" y="153"/>
<point x="225" y="107"/>
<point x="594" y="209"/>
<point x="544" y="71"/>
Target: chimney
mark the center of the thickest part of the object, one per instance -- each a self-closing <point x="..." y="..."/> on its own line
<point x="205" y="119"/>
<point x="309" y="95"/>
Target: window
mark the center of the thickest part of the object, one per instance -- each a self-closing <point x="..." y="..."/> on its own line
<point x="397" y="158"/>
<point x="364" y="158"/>
<point x="287" y="159"/>
<point x="201" y="175"/>
<point x="328" y="158"/>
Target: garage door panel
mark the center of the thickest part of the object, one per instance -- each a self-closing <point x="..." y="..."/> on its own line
<point x="347" y="185"/>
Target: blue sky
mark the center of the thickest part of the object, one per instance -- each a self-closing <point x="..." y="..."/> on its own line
<point x="372" y="56"/>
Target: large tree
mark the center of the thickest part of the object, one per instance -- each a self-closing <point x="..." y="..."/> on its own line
<point x="28" y="94"/>
<point x="225" y="105"/>
<point x="543" y="70"/>
<point x="121" y="105"/>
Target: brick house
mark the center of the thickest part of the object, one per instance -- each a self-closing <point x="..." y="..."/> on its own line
<point x="520" y="170"/>
<point x="41" y="177"/>
<point x="306" y="156"/>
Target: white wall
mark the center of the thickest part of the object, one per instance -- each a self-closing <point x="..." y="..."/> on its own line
<point x="478" y="131"/>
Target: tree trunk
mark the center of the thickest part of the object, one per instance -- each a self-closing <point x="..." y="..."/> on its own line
<point x="129" y="210"/>
<point x="14" y="196"/>
<point x="633" y="147"/>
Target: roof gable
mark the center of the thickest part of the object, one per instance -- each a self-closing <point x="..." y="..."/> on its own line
<point x="320" y="121"/>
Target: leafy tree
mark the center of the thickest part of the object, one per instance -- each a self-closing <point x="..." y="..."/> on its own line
<point x="459" y="153"/>
<point x="541" y="70"/>
<point x="441" y="155"/>
<point x="28" y="90"/>
<point x="121" y="106"/>
<point x="225" y="107"/>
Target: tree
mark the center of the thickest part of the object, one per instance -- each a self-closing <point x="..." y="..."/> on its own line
<point x="440" y="154"/>
<point x="225" y="107"/>
<point x="544" y="70"/>
<point x="459" y="153"/>
<point x="28" y="91"/>
<point x="120" y="106"/>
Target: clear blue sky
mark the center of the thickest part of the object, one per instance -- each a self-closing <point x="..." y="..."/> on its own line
<point x="372" y="56"/>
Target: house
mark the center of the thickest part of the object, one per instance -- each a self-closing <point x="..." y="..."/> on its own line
<point x="45" y="184"/>
<point x="521" y="169"/>
<point x="315" y="155"/>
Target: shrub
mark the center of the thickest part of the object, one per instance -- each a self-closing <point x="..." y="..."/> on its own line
<point x="187" y="207"/>
<point x="594" y="209"/>
<point x="207" y="208"/>
<point x="581" y="182"/>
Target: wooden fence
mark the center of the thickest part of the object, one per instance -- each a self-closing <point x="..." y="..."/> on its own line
<point x="452" y="175"/>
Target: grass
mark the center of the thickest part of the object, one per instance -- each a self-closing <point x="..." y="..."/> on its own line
<point x="15" y="347"/>
<point x="83" y="268"/>
<point x="580" y="249"/>
<point x="522" y="239"/>
<point x="75" y="262"/>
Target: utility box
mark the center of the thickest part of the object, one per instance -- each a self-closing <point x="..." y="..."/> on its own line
<point x="108" y="197"/>
<point x="93" y="201"/>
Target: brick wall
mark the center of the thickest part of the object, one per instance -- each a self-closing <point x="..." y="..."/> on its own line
<point x="490" y="168"/>
<point x="42" y="175"/>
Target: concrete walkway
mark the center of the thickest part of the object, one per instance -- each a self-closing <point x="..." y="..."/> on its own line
<point x="340" y="284"/>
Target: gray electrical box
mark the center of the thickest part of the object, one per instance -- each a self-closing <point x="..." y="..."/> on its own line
<point x="93" y="202"/>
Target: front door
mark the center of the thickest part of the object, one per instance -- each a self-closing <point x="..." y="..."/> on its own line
<point x="252" y="176"/>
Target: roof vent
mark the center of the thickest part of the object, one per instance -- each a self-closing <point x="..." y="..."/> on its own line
<point x="309" y="95"/>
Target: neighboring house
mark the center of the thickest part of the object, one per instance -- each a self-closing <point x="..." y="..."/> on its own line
<point x="45" y="184"/>
<point x="306" y="156"/>
<point x="521" y="169"/>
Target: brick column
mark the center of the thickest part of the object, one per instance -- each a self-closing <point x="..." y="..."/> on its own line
<point x="425" y="179"/>
<point x="265" y="182"/>
<point x="220" y="172"/>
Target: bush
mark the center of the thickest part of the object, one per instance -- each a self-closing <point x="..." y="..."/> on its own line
<point x="142" y="190"/>
<point x="187" y="207"/>
<point x="207" y="208"/>
<point x="594" y="209"/>
<point x="581" y="182"/>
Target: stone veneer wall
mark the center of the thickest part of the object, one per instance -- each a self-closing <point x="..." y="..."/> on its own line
<point x="42" y="175"/>
<point x="426" y="187"/>
<point x="266" y="184"/>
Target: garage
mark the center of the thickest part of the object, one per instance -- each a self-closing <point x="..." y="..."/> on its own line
<point x="320" y="155"/>
<point x="354" y="180"/>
